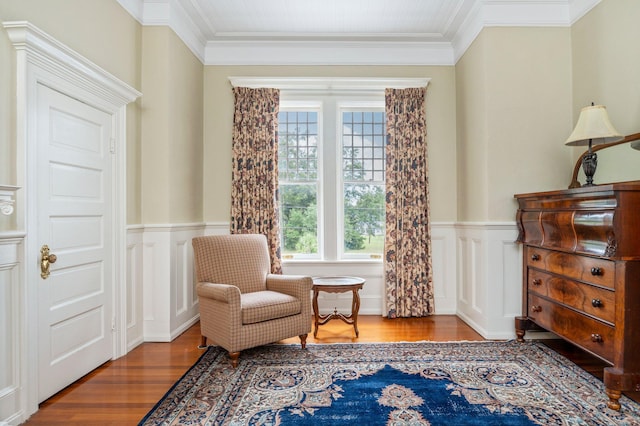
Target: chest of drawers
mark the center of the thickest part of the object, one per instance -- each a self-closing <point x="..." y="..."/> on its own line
<point x="581" y="274"/>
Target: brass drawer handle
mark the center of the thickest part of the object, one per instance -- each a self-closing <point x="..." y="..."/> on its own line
<point x="535" y="257"/>
<point x="537" y="281"/>
<point x="596" y="338"/>
<point x="596" y="303"/>
<point x="536" y="308"/>
<point x="595" y="271"/>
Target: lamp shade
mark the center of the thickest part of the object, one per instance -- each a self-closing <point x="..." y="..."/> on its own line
<point x="593" y="125"/>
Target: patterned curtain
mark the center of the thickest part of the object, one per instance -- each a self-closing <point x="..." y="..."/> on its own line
<point x="407" y="247"/>
<point x="254" y="186"/>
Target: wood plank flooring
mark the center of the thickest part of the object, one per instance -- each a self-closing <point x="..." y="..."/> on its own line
<point x="121" y="392"/>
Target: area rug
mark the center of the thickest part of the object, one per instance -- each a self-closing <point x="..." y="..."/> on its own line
<point x="426" y="383"/>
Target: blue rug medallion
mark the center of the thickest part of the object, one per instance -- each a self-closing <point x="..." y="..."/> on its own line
<point x="391" y="396"/>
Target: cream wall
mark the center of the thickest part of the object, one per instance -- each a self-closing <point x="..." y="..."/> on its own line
<point x="441" y="128"/>
<point x="171" y="153"/>
<point x="103" y="24"/>
<point x="513" y="88"/>
<point x="606" y="70"/>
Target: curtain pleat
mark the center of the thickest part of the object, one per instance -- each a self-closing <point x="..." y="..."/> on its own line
<point x="254" y="187"/>
<point x="407" y="248"/>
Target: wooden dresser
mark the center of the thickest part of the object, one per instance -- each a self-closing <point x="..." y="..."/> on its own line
<point x="581" y="274"/>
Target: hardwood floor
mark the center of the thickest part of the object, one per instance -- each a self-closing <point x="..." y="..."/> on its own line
<point x="121" y="392"/>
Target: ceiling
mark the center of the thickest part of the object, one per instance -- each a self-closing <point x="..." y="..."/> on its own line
<point x="344" y="32"/>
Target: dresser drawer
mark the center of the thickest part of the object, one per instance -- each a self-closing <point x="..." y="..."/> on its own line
<point x="595" y="301"/>
<point x="573" y="266"/>
<point x="586" y="332"/>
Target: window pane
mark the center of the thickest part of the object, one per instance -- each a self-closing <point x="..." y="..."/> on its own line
<point x="363" y="158"/>
<point x="299" y="218"/>
<point x="364" y="218"/>
<point x="359" y="157"/>
<point x="298" y="132"/>
<point x="298" y="175"/>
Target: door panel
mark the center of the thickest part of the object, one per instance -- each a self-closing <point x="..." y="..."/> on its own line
<point x="75" y="221"/>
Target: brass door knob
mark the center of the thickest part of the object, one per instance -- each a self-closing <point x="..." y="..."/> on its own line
<point x="46" y="259"/>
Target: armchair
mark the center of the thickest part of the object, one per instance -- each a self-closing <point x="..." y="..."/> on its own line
<point x="243" y="305"/>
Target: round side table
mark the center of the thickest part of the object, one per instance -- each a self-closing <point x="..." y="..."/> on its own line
<point x="337" y="285"/>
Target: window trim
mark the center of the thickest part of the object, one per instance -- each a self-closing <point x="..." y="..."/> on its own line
<point x="329" y="85"/>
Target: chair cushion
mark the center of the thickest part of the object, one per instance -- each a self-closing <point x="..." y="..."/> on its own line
<point x="267" y="305"/>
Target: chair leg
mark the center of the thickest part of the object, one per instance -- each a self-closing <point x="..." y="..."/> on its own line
<point x="303" y="340"/>
<point x="234" y="358"/>
<point x="203" y="342"/>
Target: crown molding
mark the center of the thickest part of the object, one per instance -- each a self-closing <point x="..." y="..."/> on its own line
<point x="261" y="51"/>
<point x="170" y="13"/>
<point x="327" y="53"/>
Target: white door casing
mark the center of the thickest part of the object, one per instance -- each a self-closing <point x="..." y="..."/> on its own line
<point x="43" y="61"/>
<point x="74" y="197"/>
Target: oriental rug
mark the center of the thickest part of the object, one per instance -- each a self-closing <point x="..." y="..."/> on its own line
<point x="425" y="383"/>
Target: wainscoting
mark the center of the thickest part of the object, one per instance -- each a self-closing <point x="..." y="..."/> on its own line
<point x="489" y="277"/>
<point x="162" y="301"/>
<point x="476" y="274"/>
<point x="12" y="325"/>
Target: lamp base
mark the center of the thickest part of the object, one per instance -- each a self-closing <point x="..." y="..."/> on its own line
<point x="589" y="164"/>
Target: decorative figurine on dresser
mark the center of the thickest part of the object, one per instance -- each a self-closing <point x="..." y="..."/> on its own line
<point x="581" y="274"/>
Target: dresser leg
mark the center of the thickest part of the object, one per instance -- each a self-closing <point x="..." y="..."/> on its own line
<point x="614" y="396"/>
<point x="522" y="324"/>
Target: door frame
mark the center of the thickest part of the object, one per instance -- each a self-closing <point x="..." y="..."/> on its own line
<point x="41" y="59"/>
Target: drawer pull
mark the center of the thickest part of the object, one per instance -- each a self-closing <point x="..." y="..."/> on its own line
<point x="536" y="308"/>
<point x="537" y="281"/>
<point x="535" y="257"/>
<point x="596" y="303"/>
<point x="596" y="338"/>
<point x="595" y="271"/>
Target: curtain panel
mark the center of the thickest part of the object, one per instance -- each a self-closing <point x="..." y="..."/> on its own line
<point x="407" y="247"/>
<point x="254" y="186"/>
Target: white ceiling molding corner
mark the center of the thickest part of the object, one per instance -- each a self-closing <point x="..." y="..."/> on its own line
<point x="330" y="85"/>
<point x="579" y="8"/>
<point x="467" y="31"/>
<point x="170" y="13"/>
<point x="134" y="7"/>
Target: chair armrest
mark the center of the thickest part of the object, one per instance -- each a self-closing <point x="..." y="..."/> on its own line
<point x="294" y="285"/>
<point x="222" y="292"/>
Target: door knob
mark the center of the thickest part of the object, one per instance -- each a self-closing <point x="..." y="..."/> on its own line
<point x="46" y="260"/>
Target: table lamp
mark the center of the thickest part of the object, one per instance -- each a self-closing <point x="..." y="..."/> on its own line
<point x="593" y="128"/>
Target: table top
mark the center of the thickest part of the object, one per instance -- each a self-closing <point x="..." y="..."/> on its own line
<point x="337" y="281"/>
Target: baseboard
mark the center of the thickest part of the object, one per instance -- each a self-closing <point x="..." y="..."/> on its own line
<point x="185" y="326"/>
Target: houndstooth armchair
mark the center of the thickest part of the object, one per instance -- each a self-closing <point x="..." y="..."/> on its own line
<point x="243" y="305"/>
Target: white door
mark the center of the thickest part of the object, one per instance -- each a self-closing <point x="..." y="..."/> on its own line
<point x="74" y="201"/>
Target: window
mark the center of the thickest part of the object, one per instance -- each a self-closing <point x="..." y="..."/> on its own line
<point x="331" y="163"/>
<point x="363" y="166"/>
<point x="331" y="166"/>
<point x="298" y="181"/>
